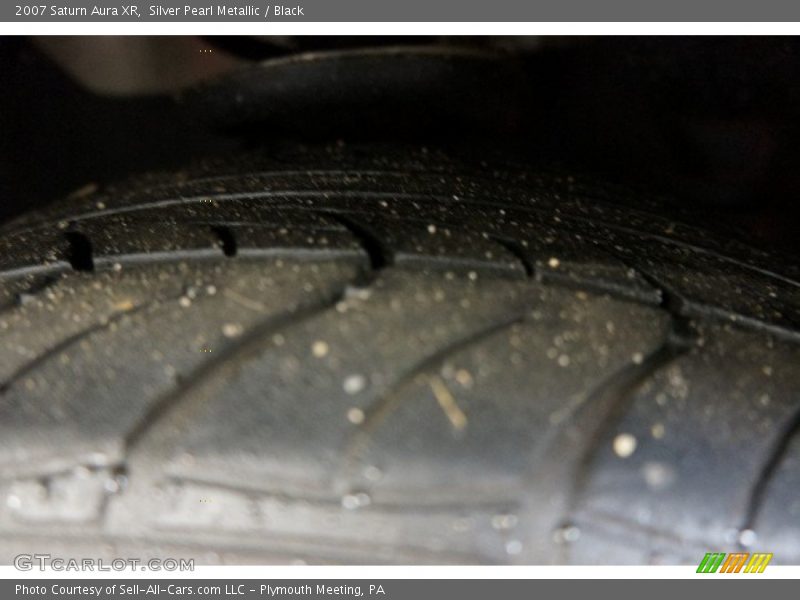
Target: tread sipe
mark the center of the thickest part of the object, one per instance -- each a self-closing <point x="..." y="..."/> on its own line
<point x="392" y="356"/>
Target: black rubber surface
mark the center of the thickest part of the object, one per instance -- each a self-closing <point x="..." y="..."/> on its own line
<point x="348" y="356"/>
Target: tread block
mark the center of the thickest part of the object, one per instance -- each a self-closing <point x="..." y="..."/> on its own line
<point x="70" y="411"/>
<point x="686" y="456"/>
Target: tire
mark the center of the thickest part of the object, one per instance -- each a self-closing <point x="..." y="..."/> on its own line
<point x="355" y="356"/>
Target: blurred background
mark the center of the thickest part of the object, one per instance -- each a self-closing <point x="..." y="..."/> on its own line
<point x="710" y="123"/>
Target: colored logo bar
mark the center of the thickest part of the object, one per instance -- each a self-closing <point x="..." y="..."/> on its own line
<point x="736" y="562"/>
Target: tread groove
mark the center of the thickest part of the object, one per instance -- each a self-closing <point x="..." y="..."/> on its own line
<point x="769" y="469"/>
<point x="681" y="330"/>
<point x="518" y="251"/>
<point x="228" y="358"/>
<point x="227" y="240"/>
<point x="379" y="253"/>
<point x="42" y="358"/>
<point x="612" y="397"/>
<point x="567" y="457"/>
<point x="79" y="253"/>
<point x="434" y="197"/>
